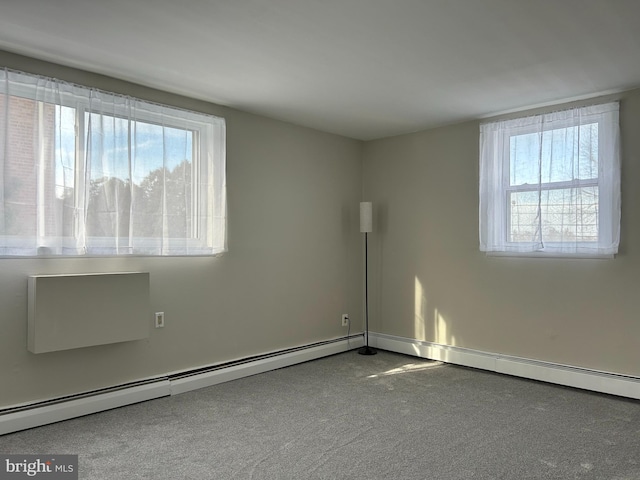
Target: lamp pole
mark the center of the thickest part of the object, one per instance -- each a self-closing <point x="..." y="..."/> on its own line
<point x="366" y="226"/>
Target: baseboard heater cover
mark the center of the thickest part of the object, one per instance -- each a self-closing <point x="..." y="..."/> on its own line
<point x="185" y="381"/>
<point x="569" y="376"/>
<point x="26" y="416"/>
<point x="44" y="413"/>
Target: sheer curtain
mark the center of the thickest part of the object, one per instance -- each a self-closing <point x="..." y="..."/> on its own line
<point x="87" y="172"/>
<point x="551" y="183"/>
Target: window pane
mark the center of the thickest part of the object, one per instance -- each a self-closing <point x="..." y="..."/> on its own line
<point x="19" y="168"/>
<point x="35" y="183"/>
<point x="558" y="155"/>
<point x="566" y="215"/>
<point x="150" y="196"/>
<point x="107" y="150"/>
<point x="65" y="166"/>
<point x="163" y="176"/>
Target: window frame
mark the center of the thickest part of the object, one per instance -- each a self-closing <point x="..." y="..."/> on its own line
<point x="607" y="158"/>
<point x="208" y="142"/>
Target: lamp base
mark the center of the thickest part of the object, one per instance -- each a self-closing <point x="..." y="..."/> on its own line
<point x="367" y="350"/>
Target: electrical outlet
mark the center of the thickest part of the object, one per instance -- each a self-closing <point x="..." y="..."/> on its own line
<point x="345" y="319"/>
<point x="159" y="319"/>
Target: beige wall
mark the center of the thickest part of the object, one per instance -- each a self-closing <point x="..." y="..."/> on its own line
<point x="294" y="261"/>
<point x="293" y="266"/>
<point x="430" y="281"/>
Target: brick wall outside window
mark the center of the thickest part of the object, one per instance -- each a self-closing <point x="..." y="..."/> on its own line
<point x="20" y="164"/>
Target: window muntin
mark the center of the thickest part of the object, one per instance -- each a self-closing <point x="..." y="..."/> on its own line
<point x="107" y="175"/>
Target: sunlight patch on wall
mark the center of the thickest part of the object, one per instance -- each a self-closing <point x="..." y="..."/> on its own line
<point x="442" y="330"/>
<point x="429" y="324"/>
<point x="420" y="311"/>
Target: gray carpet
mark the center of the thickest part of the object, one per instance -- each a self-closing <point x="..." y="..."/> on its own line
<point x="353" y="417"/>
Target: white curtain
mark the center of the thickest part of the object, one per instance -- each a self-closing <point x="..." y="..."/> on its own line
<point x="551" y="183"/>
<point x="87" y="172"/>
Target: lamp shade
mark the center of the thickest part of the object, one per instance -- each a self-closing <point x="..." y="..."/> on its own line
<point x="366" y="217"/>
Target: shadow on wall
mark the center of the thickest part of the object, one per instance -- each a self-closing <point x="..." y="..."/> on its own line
<point x="429" y="323"/>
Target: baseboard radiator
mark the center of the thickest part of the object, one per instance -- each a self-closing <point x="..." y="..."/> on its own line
<point x="24" y="416"/>
<point x="566" y="375"/>
<point x="83" y="310"/>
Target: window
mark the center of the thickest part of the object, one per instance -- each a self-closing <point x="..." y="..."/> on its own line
<point x="550" y="184"/>
<point x="86" y="172"/>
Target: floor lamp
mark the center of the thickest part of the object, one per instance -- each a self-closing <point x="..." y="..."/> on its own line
<point x="366" y="226"/>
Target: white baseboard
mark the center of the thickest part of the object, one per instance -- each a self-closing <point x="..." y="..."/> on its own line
<point x="207" y="379"/>
<point x="64" y="410"/>
<point x="603" y="382"/>
<point x="51" y="412"/>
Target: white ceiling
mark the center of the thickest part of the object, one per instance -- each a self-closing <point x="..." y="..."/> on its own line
<point x="361" y="68"/>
